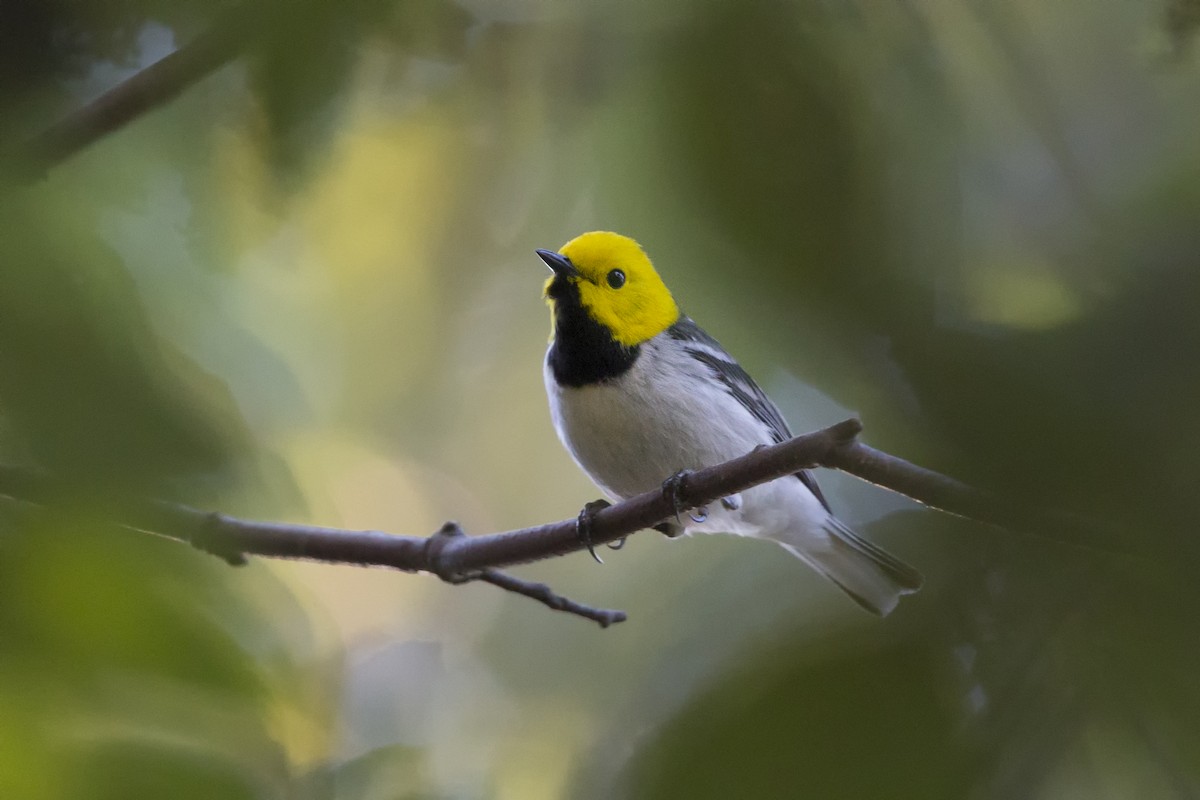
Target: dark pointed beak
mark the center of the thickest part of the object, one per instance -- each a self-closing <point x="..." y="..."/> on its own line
<point x="561" y="265"/>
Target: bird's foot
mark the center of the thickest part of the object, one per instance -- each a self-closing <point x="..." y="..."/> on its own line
<point x="672" y="487"/>
<point x="583" y="526"/>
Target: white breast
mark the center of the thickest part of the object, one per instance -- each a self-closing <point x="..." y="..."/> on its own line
<point x="663" y="415"/>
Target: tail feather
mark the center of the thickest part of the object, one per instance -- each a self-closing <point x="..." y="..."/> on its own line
<point x="873" y="577"/>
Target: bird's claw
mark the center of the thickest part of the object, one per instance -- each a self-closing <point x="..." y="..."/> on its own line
<point x="583" y="526"/>
<point x="671" y="489"/>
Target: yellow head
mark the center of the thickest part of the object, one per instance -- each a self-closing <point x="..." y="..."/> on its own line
<point x="616" y="286"/>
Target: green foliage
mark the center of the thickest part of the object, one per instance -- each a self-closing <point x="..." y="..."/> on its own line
<point x="127" y="670"/>
<point x="850" y="724"/>
<point x="91" y="392"/>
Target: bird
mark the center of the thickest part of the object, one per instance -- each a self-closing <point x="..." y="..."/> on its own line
<point x="639" y="393"/>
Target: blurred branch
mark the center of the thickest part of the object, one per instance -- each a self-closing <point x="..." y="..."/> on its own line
<point x="151" y="87"/>
<point x="954" y="497"/>
<point x="458" y="558"/>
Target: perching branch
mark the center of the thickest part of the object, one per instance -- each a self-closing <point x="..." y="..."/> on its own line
<point x="458" y="558"/>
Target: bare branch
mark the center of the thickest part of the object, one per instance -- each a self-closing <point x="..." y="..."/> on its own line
<point x="458" y="558"/>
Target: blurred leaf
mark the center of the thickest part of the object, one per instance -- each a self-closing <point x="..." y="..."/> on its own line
<point x="121" y="667"/>
<point x="793" y="722"/>
<point x="760" y="112"/>
<point x="302" y="69"/>
<point x="89" y="388"/>
<point x="396" y="773"/>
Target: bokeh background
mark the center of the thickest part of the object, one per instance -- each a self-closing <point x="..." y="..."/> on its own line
<point x="305" y="290"/>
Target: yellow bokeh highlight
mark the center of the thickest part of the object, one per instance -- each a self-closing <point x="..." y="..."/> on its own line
<point x="350" y="486"/>
<point x="352" y="251"/>
<point x="1020" y="294"/>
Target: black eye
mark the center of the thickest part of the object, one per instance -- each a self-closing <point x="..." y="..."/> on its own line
<point x="616" y="278"/>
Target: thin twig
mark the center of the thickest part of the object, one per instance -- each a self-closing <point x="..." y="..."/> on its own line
<point x="544" y="594"/>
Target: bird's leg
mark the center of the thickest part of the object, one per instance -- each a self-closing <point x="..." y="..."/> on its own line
<point x="583" y="525"/>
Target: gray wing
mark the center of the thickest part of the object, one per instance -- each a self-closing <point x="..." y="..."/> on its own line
<point x="741" y="386"/>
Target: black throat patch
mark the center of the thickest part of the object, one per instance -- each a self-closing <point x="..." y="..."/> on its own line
<point x="584" y="351"/>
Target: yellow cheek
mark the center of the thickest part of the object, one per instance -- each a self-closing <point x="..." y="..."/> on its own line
<point x="600" y="303"/>
<point x="631" y="316"/>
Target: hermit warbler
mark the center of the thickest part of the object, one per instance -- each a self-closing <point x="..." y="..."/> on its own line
<point x="639" y="392"/>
